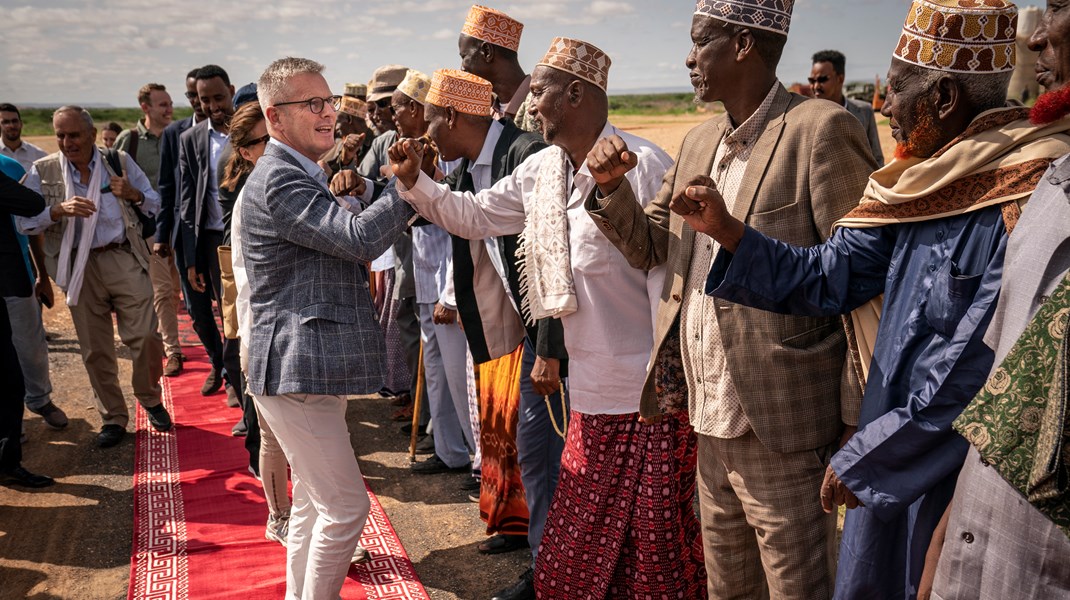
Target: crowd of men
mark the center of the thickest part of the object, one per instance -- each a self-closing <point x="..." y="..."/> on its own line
<point x="774" y="324"/>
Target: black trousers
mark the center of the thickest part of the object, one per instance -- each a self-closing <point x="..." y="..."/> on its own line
<point x="199" y="307"/>
<point x="12" y="391"/>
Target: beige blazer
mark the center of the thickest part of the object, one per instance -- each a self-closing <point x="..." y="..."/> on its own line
<point x="807" y="169"/>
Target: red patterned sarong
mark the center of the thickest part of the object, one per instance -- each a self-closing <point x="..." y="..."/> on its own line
<point x="622" y="522"/>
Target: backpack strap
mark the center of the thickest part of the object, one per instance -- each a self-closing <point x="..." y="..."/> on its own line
<point x="131" y="148"/>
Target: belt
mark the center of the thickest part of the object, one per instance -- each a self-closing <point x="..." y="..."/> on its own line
<point x="111" y="246"/>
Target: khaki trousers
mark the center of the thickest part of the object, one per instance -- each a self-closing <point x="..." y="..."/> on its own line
<point x="165" y="287"/>
<point x="763" y="531"/>
<point x="115" y="282"/>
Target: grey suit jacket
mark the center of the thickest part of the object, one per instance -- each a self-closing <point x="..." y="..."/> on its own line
<point x="314" y="328"/>
<point x="863" y="111"/>
<point x="807" y="169"/>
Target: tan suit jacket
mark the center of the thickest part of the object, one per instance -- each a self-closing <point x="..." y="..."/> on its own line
<point x="807" y="169"/>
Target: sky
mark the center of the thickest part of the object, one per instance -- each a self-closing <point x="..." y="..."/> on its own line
<point x="101" y="51"/>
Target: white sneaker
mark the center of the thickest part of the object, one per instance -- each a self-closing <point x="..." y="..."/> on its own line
<point x="277" y="529"/>
<point x="359" y="555"/>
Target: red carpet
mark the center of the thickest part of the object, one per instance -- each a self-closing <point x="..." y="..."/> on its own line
<point x="200" y="514"/>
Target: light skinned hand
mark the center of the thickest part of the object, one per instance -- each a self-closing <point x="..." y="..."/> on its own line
<point x="77" y="206"/>
<point x="609" y="161"/>
<point x="121" y="188"/>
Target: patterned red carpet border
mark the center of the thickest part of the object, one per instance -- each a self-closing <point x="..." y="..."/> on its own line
<point x="199" y="515"/>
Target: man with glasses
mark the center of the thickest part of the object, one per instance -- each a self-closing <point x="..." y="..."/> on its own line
<point x="14" y="146"/>
<point x="826" y="82"/>
<point x="201" y="226"/>
<point x="312" y="318"/>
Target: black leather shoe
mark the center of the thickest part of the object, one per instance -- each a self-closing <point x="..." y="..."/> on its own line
<point x="426" y="445"/>
<point x="212" y="383"/>
<point x="20" y="476"/>
<point x="159" y="418"/>
<point x="434" y="465"/>
<point x="110" y="435"/>
<point x="521" y="590"/>
<point x="240" y="429"/>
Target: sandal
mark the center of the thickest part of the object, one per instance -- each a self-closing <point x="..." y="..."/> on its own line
<point x="501" y="543"/>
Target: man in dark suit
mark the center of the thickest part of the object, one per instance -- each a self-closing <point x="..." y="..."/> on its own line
<point x="14" y="200"/>
<point x="315" y="335"/>
<point x="168" y="242"/>
<point x="201" y="223"/>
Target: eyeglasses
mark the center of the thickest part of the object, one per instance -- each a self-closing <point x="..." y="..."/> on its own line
<point x="316" y="104"/>
<point x="257" y="141"/>
<point x="822" y="79"/>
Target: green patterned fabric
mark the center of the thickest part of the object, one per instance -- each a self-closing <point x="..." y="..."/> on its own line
<point x="1018" y="421"/>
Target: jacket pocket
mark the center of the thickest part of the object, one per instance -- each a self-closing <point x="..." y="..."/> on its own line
<point x="810" y="337"/>
<point x="950" y="297"/>
<point x="337" y="313"/>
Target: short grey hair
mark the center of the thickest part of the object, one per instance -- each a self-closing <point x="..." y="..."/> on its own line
<point x="272" y="83"/>
<point x="71" y="108"/>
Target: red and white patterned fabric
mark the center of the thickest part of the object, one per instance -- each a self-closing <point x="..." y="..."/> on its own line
<point x="622" y="522"/>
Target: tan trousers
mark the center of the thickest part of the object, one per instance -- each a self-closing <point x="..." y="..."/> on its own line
<point x="763" y="531"/>
<point x="165" y="288"/>
<point x="115" y="281"/>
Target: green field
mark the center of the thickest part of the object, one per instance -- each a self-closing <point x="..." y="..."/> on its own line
<point x="653" y="104"/>
<point x="38" y="121"/>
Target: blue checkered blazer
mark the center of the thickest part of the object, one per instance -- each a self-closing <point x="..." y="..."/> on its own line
<point x="314" y="328"/>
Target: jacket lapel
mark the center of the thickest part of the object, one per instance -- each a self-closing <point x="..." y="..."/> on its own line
<point x="698" y="160"/>
<point x="761" y="155"/>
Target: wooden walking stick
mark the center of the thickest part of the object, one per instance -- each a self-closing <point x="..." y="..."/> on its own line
<point x="416" y="405"/>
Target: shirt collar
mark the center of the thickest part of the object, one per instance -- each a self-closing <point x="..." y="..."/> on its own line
<point x="747" y="133"/>
<point x="486" y="155"/>
<point x="310" y="167"/>
<point x="212" y="130"/>
<point x="1059" y="171"/>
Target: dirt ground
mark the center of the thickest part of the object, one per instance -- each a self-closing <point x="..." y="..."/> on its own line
<point x="73" y="540"/>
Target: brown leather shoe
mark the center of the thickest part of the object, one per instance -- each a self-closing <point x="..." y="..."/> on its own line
<point x="173" y="366"/>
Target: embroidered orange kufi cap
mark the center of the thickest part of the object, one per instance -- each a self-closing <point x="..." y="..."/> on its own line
<point x="961" y="36"/>
<point x="464" y="92"/>
<point x="579" y="58"/>
<point x="493" y="26"/>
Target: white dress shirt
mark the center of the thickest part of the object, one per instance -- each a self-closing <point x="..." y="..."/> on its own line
<point x="610" y="336"/>
<point x="26" y="153"/>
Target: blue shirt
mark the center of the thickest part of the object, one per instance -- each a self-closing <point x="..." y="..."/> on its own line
<point x="940" y="280"/>
<point x="14" y="170"/>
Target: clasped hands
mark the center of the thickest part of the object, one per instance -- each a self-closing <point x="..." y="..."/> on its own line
<point x="408" y="157"/>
